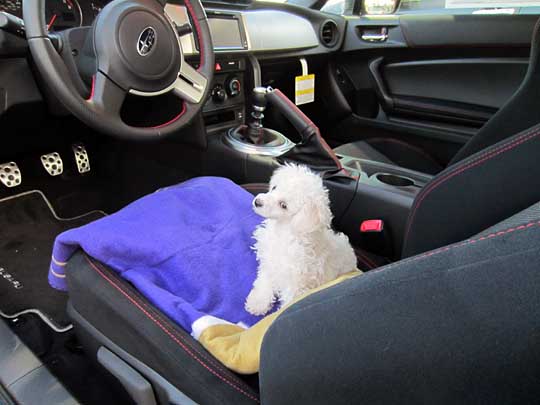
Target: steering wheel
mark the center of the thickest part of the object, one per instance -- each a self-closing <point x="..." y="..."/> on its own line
<point x="136" y="49"/>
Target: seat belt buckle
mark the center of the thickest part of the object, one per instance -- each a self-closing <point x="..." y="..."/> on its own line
<point x="372" y="225"/>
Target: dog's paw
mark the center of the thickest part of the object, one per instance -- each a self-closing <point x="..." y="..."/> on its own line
<point x="257" y="305"/>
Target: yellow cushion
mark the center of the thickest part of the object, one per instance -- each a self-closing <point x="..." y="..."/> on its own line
<point x="238" y="348"/>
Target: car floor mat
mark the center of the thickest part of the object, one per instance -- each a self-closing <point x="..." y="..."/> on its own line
<point x="28" y="228"/>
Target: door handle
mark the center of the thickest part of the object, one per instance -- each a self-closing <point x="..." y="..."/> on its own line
<point x="375" y="36"/>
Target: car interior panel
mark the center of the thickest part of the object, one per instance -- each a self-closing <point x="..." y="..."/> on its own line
<point x="424" y="125"/>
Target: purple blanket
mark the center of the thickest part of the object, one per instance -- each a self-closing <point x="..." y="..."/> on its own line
<point x="187" y="248"/>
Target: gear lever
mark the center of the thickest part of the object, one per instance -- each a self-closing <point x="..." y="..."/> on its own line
<point x="255" y="131"/>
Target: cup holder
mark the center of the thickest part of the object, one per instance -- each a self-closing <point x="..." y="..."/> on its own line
<point x="394" y="180"/>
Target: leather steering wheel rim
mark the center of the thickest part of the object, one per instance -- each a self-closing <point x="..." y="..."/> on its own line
<point x="101" y="110"/>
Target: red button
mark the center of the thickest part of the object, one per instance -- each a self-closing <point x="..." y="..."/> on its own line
<point x="218" y="67"/>
<point x="372" y="225"/>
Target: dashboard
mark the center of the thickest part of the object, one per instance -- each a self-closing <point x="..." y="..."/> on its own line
<point x="257" y="28"/>
<point x="243" y="34"/>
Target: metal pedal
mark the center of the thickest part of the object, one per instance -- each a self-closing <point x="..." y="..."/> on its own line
<point x="81" y="158"/>
<point x="10" y="174"/>
<point x="52" y="162"/>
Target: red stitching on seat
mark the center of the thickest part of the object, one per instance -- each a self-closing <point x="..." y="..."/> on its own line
<point x="209" y="359"/>
<point x="168" y="332"/>
<point x="468" y="165"/>
<point x="461" y="244"/>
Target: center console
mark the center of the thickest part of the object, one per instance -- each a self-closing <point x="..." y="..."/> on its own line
<point x="225" y="107"/>
<point x="234" y="121"/>
<point x="384" y="192"/>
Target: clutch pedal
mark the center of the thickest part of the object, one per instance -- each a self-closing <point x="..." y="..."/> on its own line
<point x="10" y="174"/>
<point x="52" y="162"/>
<point x="81" y="158"/>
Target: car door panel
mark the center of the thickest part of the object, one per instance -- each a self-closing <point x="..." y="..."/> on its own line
<point x="454" y="90"/>
<point x="433" y="80"/>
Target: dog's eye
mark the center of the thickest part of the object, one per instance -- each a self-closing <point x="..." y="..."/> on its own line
<point x="283" y="205"/>
<point x="273" y="188"/>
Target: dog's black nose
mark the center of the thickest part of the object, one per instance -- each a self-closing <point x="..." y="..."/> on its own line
<point x="258" y="203"/>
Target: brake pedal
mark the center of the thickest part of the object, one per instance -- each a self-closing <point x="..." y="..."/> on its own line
<point x="81" y="158"/>
<point x="52" y="162"/>
<point x="10" y="174"/>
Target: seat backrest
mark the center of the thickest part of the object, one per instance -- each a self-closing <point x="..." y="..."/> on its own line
<point x="476" y="193"/>
<point x="520" y="112"/>
<point x="453" y="326"/>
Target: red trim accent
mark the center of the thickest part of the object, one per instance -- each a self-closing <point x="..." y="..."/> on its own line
<point x="210" y="359"/>
<point x="173" y="119"/>
<point x="51" y="22"/>
<point x="92" y="88"/>
<point x="199" y="32"/>
<point x="169" y="333"/>
<point x="361" y="255"/>
<point x="462" y="244"/>
<point x="468" y="165"/>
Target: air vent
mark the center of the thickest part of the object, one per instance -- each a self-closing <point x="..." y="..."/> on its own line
<point x="329" y="33"/>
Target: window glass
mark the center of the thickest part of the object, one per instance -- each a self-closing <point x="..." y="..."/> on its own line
<point x="469" y="6"/>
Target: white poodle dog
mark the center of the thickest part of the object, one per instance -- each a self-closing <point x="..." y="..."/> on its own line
<point x="296" y="248"/>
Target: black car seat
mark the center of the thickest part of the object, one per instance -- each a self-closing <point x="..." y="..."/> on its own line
<point x="466" y="198"/>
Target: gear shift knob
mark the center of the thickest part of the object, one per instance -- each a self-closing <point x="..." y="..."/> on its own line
<point x="255" y="127"/>
<point x="259" y="99"/>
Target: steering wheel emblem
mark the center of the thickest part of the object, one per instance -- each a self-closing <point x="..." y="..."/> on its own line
<point x="146" y="41"/>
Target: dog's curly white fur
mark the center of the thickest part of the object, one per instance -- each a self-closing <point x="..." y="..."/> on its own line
<point x="296" y="248"/>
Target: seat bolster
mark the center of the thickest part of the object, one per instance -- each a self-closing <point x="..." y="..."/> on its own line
<point x="118" y="311"/>
<point x="475" y="193"/>
<point x="453" y="326"/>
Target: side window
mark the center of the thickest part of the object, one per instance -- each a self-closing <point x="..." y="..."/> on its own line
<point x="469" y="6"/>
<point x="340" y="7"/>
<point x="380" y="7"/>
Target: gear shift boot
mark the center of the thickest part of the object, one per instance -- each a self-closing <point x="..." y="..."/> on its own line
<point x="272" y="143"/>
<point x="254" y="138"/>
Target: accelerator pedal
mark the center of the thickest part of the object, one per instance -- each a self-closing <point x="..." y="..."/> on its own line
<point x="10" y="174"/>
<point x="52" y="162"/>
<point x="81" y="158"/>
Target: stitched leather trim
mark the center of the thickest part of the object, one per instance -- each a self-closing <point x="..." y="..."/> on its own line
<point x="310" y="123"/>
<point x="199" y="32"/>
<point x="157" y="320"/>
<point x="173" y="119"/>
<point x="460" y="168"/>
<point x="461" y="244"/>
<point x="365" y="259"/>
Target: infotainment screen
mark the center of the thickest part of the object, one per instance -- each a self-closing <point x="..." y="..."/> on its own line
<point x="225" y="33"/>
<point x="225" y="29"/>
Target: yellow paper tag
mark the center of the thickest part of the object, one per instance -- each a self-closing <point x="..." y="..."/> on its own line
<point x="304" y="89"/>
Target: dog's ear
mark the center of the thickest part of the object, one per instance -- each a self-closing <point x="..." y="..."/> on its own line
<point x="313" y="215"/>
